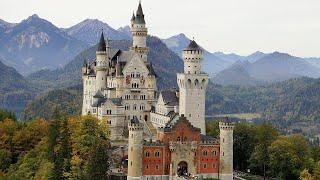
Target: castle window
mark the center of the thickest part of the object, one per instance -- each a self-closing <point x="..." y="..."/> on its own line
<point x="214" y="165"/>
<point x="205" y="166"/>
<point x="157" y="154"/>
<point x="178" y="138"/>
<point x="147" y="167"/>
<point x="205" y="153"/>
<point x="147" y="154"/>
<point x="214" y="153"/>
<point x="157" y="166"/>
<point x="134" y="107"/>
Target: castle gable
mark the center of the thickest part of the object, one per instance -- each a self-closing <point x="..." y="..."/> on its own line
<point x="135" y="64"/>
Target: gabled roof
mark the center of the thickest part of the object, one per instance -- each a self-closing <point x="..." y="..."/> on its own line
<point x="98" y="95"/>
<point x="171" y="125"/>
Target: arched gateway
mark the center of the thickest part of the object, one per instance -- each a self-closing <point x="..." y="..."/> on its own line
<point x="182" y="169"/>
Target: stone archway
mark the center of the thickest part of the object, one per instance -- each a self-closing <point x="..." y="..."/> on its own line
<point x="182" y="169"/>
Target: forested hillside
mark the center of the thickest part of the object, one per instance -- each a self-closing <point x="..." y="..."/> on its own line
<point x="293" y="100"/>
<point x="15" y="91"/>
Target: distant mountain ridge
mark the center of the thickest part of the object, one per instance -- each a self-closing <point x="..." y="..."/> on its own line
<point x="35" y="44"/>
<point x="89" y="31"/>
<point x="272" y="67"/>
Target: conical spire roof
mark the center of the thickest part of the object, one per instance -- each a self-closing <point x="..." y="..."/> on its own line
<point x="192" y="46"/>
<point x="102" y="43"/>
<point x="139" y="15"/>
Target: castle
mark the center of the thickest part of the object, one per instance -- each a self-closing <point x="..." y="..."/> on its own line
<point x="119" y="88"/>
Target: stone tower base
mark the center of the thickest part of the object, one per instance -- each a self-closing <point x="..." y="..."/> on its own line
<point x="226" y="176"/>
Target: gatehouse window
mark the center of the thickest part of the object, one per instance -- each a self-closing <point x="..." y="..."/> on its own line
<point x="147" y="154"/>
<point x="157" y="154"/>
<point x="205" y="166"/>
<point x="205" y="153"/>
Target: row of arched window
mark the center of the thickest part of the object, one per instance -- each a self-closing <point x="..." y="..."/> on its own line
<point x="128" y="96"/>
<point x="148" y="154"/>
<point x="134" y="107"/>
<point x="213" y="153"/>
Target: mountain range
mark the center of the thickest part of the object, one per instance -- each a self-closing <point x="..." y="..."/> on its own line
<point x="89" y="31"/>
<point x="273" y="67"/>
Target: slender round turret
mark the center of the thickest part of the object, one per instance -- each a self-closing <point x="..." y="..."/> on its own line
<point x="135" y="149"/>
<point x="226" y="150"/>
<point x="101" y="64"/>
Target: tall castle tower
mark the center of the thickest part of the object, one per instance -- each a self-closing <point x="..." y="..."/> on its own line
<point x="135" y="149"/>
<point x="102" y="64"/>
<point x="226" y="150"/>
<point x="192" y="84"/>
<point x="139" y="33"/>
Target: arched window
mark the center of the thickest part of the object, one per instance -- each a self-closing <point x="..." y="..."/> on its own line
<point x="157" y="154"/>
<point x="214" y="153"/>
<point x="205" y="153"/>
<point x="147" y="154"/>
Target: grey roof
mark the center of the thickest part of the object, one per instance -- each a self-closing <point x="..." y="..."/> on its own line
<point x="102" y="43"/>
<point x="170" y="97"/>
<point x="133" y="17"/>
<point x="152" y="143"/>
<point x="134" y="120"/>
<point x="98" y="95"/>
<point x="207" y="138"/>
<point x="193" y="46"/>
<point x="139" y="15"/>
<point x="125" y="56"/>
<point x="115" y="101"/>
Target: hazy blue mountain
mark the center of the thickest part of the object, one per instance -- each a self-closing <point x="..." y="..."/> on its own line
<point x="314" y="61"/>
<point x="89" y="31"/>
<point x="273" y="67"/>
<point x="15" y="91"/>
<point x="255" y="56"/>
<point x="211" y="64"/>
<point x="237" y="74"/>
<point x="232" y="57"/>
<point x="125" y="30"/>
<point x="35" y="44"/>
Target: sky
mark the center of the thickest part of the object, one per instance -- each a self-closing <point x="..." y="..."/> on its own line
<point x="230" y="26"/>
